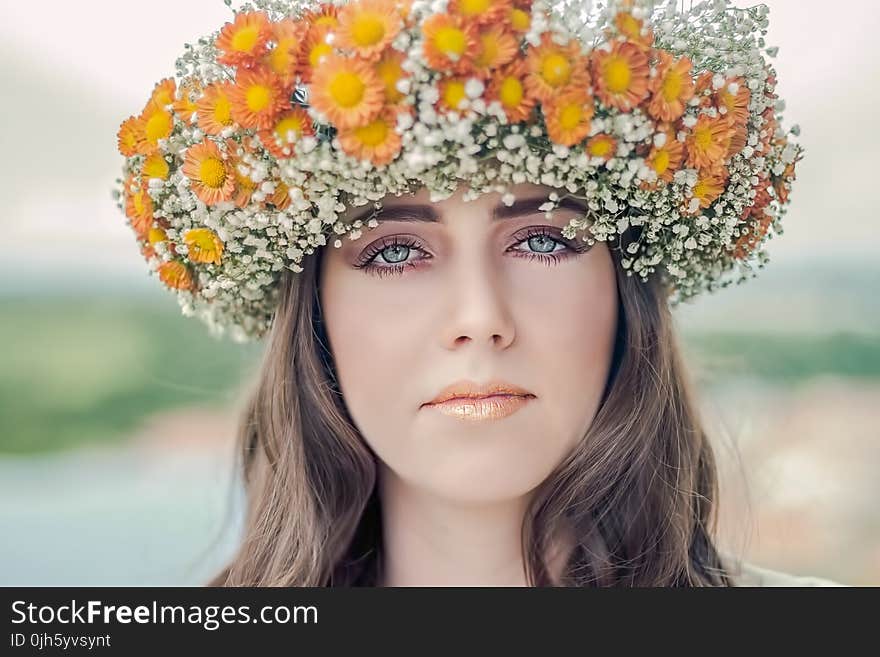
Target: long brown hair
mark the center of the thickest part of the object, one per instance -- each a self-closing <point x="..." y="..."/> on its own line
<point x="637" y="496"/>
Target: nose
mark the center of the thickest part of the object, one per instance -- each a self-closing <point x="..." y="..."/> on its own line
<point x="478" y="304"/>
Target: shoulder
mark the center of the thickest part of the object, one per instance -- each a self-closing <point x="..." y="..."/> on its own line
<point x="749" y="574"/>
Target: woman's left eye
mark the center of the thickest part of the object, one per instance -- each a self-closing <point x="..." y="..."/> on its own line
<point x="395" y="252"/>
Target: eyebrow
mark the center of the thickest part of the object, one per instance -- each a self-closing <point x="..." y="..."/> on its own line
<point x="426" y="213"/>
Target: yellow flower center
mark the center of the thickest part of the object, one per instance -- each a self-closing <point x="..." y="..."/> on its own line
<point x="138" y="201"/>
<point x="489" y="51"/>
<point x="450" y="40"/>
<point x="204" y="245"/>
<point x="258" y="97"/>
<point x="156" y="235"/>
<point x="285" y="126"/>
<point x="701" y="189"/>
<point x="511" y="92"/>
<point x="367" y="30"/>
<point x="570" y="116"/>
<point x="672" y="86"/>
<point x="555" y="69"/>
<point x="223" y="111"/>
<point x="330" y="21"/>
<point x="600" y="148"/>
<point x="245" y="38"/>
<point x="212" y="172"/>
<point x="617" y="74"/>
<point x="453" y="93"/>
<point x="473" y="7"/>
<point x="661" y="161"/>
<point x="703" y="138"/>
<point x="155" y="166"/>
<point x="374" y="133"/>
<point x="158" y="126"/>
<point x="280" y="60"/>
<point x="319" y="51"/>
<point x="520" y="20"/>
<point x="347" y="89"/>
<point x="629" y="25"/>
<point x="389" y="72"/>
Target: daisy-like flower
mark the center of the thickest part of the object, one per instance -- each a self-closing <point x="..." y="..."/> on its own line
<point x="481" y="12"/>
<point x="507" y="86"/>
<point x="324" y="16"/>
<point x="208" y="172"/>
<point x="286" y="129"/>
<point x="377" y="141"/>
<point x="632" y="28"/>
<point x="367" y="27"/>
<point x="552" y="68"/>
<point x="735" y="103"/>
<point x="671" y="88"/>
<point x="620" y="75"/>
<point x="710" y="185"/>
<point x="450" y="43"/>
<point x="389" y="68"/>
<point x="666" y="159"/>
<point x="164" y="92"/>
<point x="185" y="107"/>
<point x="283" y="59"/>
<point x="213" y="109"/>
<point x="452" y="93"/>
<point x="601" y="145"/>
<point x="257" y="97"/>
<point x="203" y="245"/>
<point x="281" y="196"/>
<point x="158" y="124"/>
<point x="243" y="42"/>
<point x="176" y="275"/>
<point x="347" y="91"/>
<point x="244" y="185"/>
<point x="155" y="166"/>
<point x="497" y="47"/>
<point x="708" y="142"/>
<point x="568" y="116"/>
<point x="130" y="135"/>
<point x="315" y="49"/>
<point x="138" y="207"/>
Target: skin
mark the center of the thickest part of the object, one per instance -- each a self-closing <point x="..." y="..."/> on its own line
<point x="470" y="305"/>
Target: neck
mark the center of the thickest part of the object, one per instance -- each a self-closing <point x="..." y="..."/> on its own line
<point x="432" y="541"/>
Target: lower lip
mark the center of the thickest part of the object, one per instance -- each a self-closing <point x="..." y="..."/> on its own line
<point x="484" y="408"/>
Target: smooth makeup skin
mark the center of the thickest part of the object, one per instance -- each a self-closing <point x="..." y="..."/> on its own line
<point x="469" y="297"/>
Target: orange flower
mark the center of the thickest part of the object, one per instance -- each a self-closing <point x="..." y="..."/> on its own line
<point x="553" y="69"/>
<point x="347" y="91"/>
<point x="176" y="275"/>
<point x="244" y="185"/>
<point x="520" y="19"/>
<point x="324" y="16"/>
<point x="155" y="166"/>
<point x="736" y="105"/>
<point x="185" y="107"/>
<point x="708" y="142"/>
<point x="315" y="49"/>
<point x="283" y="59"/>
<point x="203" y="245"/>
<point x="281" y="196"/>
<point x="710" y="185"/>
<point x="620" y="75"/>
<point x="368" y="26"/>
<point x="130" y="135"/>
<point x="671" y="88"/>
<point x="665" y="160"/>
<point x="497" y="47"/>
<point x="751" y="237"/>
<point x="782" y="184"/>
<point x="214" y="110"/>
<point x="452" y="92"/>
<point x="138" y="207"/>
<point x="450" y="44"/>
<point x="164" y="92"/>
<point x="377" y="141"/>
<point x="390" y="71"/>
<point x="507" y="86"/>
<point x="243" y="42"/>
<point x="480" y="12"/>
<point x="158" y="124"/>
<point x="208" y="172"/>
<point x="257" y="98"/>
<point x="602" y="145"/>
<point x="631" y="27"/>
<point x="287" y="128"/>
<point x="568" y="116"/>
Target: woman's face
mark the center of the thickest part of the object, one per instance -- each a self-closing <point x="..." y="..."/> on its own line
<point x="447" y="292"/>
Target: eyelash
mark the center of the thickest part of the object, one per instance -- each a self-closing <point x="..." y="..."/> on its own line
<point x="550" y="259"/>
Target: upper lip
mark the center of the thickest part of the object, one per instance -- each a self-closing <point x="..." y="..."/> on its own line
<point x="472" y="390"/>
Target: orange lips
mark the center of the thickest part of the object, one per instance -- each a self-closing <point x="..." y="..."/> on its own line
<point x="494" y="407"/>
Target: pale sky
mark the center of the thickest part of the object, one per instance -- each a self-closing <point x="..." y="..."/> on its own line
<point x="72" y="72"/>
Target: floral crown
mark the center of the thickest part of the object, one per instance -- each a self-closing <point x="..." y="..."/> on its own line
<point x="663" y="120"/>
